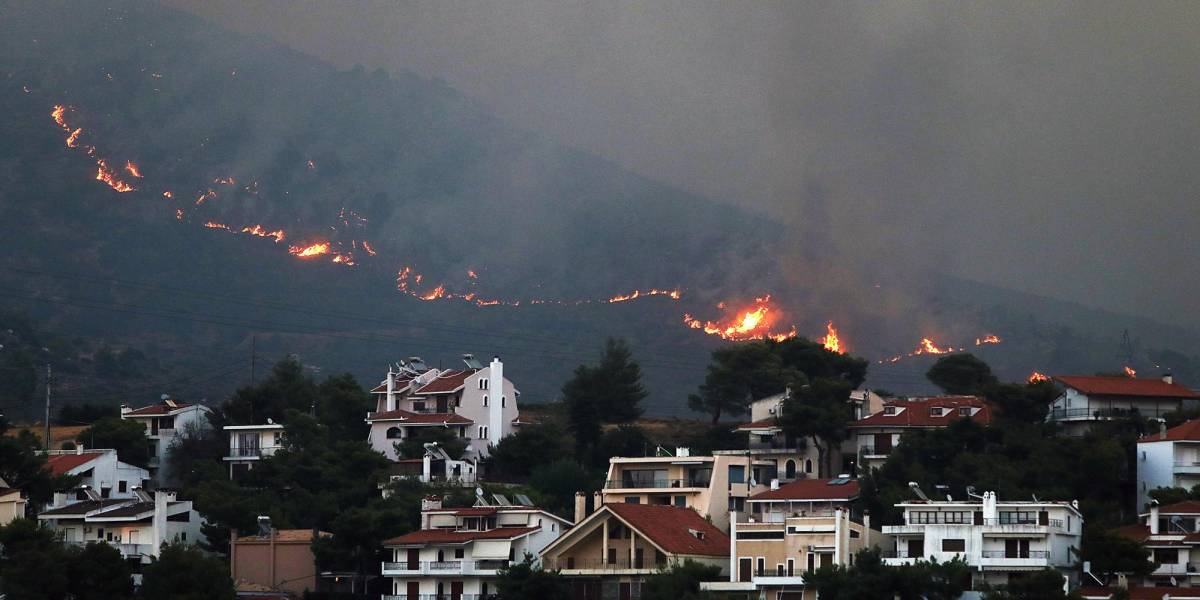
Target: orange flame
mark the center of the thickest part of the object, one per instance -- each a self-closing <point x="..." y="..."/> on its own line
<point x="103" y="173"/>
<point x="831" y="341"/>
<point x="1130" y="372"/>
<point x="58" y="115"/>
<point x="224" y="181"/>
<point x="344" y="259"/>
<point x="261" y="231"/>
<point x="310" y="251"/>
<point x="168" y="194"/>
<point x="437" y="292"/>
<point x="209" y="195"/>
<point x="179" y="214"/>
<point x="987" y="339"/>
<point x="133" y="169"/>
<point x="635" y="294"/>
<point x="73" y="139"/>
<point x="752" y="323"/>
<point x="1036" y="377"/>
<point x="216" y="225"/>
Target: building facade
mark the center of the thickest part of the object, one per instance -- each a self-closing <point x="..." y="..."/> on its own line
<point x="249" y="444"/>
<point x="1172" y="534"/>
<point x="278" y="560"/>
<point x="767" y="442"/>
<point x="164" y="422"/>
<point x="1087" y="400"/>
<point x="458" y="551"/>
<point x="873" y="437"/>
<point x="136" y="526"/>
<point x="998" y="540"/>
<point x="1169" y="458"/>
<point x="102" y="475"/>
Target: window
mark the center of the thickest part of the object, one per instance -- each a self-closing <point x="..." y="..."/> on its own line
<point x="394" y="433"/>
<point x="808" y="466"/>
<point x="503" y="401"/>
<point x="890" y="410"/>
<point x="681" y="501"/>
<point x="762" y="566"/>
<point x="1024" y="517"/>
<point x="760" y="535"/>
<point x="935" y="411"/>
<point x="418" y="407"/>
<point x="278" y="438"/>
<point x="944" y="517"/>
<point x="954" y="545"/>
<point x="738" y="504"/>
<point x="633" y="499"/>
<point x="854" y="534"/>
<point x="99" y="533"/>
<point x="485" y="400"/>
<point x="183" y="536"/>
<point x="1166" y="556"/>
<point x="737" y="474"/>
<point x="122" y="486"/>
<point x="458" y="553"/>
<point x="964" y="411"/>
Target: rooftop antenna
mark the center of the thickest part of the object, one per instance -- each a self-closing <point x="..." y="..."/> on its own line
<point x="971" y="492"/>
<point x="916" y="489"/>
<point x="1035" y="498"/>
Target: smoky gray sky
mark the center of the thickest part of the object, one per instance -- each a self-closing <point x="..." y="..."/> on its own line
<point x="1048" y="147"/>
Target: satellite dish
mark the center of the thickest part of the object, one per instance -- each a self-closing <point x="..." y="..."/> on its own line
<point x="478" y="491"/>
<point x="753" y="482"/>
<point x="164" y="396"/>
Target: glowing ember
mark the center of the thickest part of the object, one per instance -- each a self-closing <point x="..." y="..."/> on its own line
<point x="168" y="194"/>
<point x="987" y="339"/>
<point x="1130" y="372"/>
<point x="928" y="347"/>
<point x="58" y="115"/>
<point x="367" y="246"/>
<point x="1036" y="377"/>
<point x="105" y="174"/>
<point x="224" y="181"/>
<point x="437" y="292"/>
<point x="344" y="259"/>
<point x="208" y="195"/>
<point x="748" y="324"/>
<point x="312" y="164"/>
<point x="73" y="139"/>
<point x="635" y="294"/>
<point x="261" y="231"/>
<point x="179" y="214"/>
<point x="831" y="341"/>
<point x="471" y="274"/>
<point x="215" y="225"/>
<point x="132" y="168"/>
<point x="310" y="251"/>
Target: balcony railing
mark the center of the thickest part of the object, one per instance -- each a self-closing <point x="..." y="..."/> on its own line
<point x="445" y="566"/>
<point x="1018" y="554"/>
<point x="252" y="451"/>
<point x="1063" y="414"/>
<point x="655" y="483"/>
<point x="598" y="564"/>
<point x="1023" y="522"/>
<point x="875" y="450"/>
<point x="901" y="554"/>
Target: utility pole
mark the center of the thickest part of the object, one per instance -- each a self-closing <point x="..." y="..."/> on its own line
<point x="47" y="439"/>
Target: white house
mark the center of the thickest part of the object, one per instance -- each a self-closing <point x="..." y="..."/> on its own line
<point x="997" y="539"/>
<point x="164" y="422"/>
<point x="458" y="551"/>
<point x="793" y="458"/>
<point x="874" y="436"/>
<point x="1087" y="399"/>
<point x="136" y="526"/>
<point x="1169" y="458"/>
<point x="1172" y="534"/>
<point x="99" y="471"/>
<point x="249" y="444"/>
<point x="476" y="403"/>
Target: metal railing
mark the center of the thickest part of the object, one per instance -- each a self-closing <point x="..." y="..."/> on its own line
<point x="446" y="566"/>
<point x="1034" y="522"/>
<point x="901" y="554"/>
<point x="1017" y="554"/>
<point x="599" y="564"/>
<point x="1060" y="414"/>
<point x="875" y="450"/>
<point x="240" y="451"/>
<point x="655" y="483"/>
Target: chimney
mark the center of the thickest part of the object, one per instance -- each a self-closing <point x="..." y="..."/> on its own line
<point x="497" y="403"/>
<point x="597" y="501"/>
<point x="78" y="448"/>
<point x="159" y="520"/>
<point x="391" y="390"/>
<point x="774" y="484"/>
<point x="125" y="409"/>
<point x="1168" y="378"/>
<point x="580" y="507"/>
<point x="866" y="519"/>
<point x="683" y="451"/>
<point x="1162" y="429"/>
<point x="989" y="507"/>
<point x="1153" y="518"/>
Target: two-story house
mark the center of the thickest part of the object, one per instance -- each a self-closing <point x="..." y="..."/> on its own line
<point x="770" y="558"/>
<point x="873" y="437"/>
<point x="611" y="552"/>
<point x="710" y="485"/>
<point x="458" y="551"/>
<point x="164" y="422"/>
<point x="1172" y="534"/>
<point x="1087" y="400"/>
<point x="802" y="498"/>
<point x="792" y="457"/>
<point x="997" y="539"/>
<point x="476" y="403"/>
<point x="99" y="471"/>
<point x="1168" y="458"/>
<point x="249" y="444"/>
<point x="136" y="526"/>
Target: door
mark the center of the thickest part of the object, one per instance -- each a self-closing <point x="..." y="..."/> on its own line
<point x="414" y="560"/>
<point x="637" y="557"/>
<point x="916" y="548"/>
<point x="456" y="588"/>
<point x="789" y="469"/>
<point x="626" y="591"/>
<point x="826" y="559"/>
<point x="745" y="568"/>
<point x="1043" y="518"/>
<point x="883" y="443"/>
<point x="441" y="404"/>
<point x="414" y="590"/>
<point x="1016" y="548"/>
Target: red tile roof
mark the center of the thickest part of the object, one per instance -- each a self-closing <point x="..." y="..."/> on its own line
<point x="763" y="424"/>
<point x="60" y="464"/>
<point x="447" y="381"/>
<point x="1187" y="507"/>
<point x="1186" y="431"/>
<point x="447" y="536"/>
<point x="399" y="385"/>
<point x="916" y="412"/>
<point x="1137" y="533"/>
<point x="156" y="409"/>
<point x="1143" y="593"/>
<point x="668" y="527"/>
<point x="420" y="418"/>
<point x="80" y="508"/>
<point x="1125" y="386"/>
<point x="811" y="489"/>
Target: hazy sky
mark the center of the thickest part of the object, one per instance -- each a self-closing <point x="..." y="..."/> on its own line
<point x="1048" y="147"/>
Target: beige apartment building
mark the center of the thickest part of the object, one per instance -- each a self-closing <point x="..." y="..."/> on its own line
<point x="713" y="486"/>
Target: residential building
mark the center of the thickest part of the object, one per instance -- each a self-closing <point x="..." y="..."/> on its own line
<point x="1087" y="400"/>
<point x="164" y="422"/>
<point x="476" y="403"/>
<point x="435" y="466"/>
<point x="99" y="471"/>
<point x="135" y="526"/>
<point x="611" y="552"/>
<point x="710" y="485"/>
<point x="458" y="551"/>
<point x="873" y="437"/>
<point x="12" y="503"/>
<point x="771" y="559"/>
<point x="793" y="458"/>
<point x="275" y="560"/>
<point x="1139" y="593"/>
<point x="997" y="539"/>
<point x="1169" y="458"/>
<point x="249" y="444"/>
<point x="803" y="498"/>
<point x="1172" y="534"/>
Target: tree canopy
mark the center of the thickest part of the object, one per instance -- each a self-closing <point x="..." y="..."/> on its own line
<point x="818" y="411"/>
<point x="961" y="373"/>
<point x="608" y="392"/>
<point x="183" y="572"/>
<point x="869" y="579"/>
<point x="126" y="436"/>
<point x="525" y="580"/>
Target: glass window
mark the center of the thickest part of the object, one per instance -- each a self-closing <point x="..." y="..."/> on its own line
<point x="737" y="474"/>
<point x="954" y="545"/>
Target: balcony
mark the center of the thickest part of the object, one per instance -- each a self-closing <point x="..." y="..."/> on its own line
<point x="654" y="484"/>
<point x="161" y="432"/>
<point x="1190" y="467"/>
<point x="875" y="451"/>
<point x="126" y="550"/>
<point x="445" y="567"/>
<point x="1103" y="414"/>
<point x="1174" y="569"/>
<point x="598" y="564"/>
<point x="251" y="452"/>
<point x="1004" y="558"/>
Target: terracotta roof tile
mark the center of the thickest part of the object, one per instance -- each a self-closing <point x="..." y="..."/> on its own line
<point x="916" y="413"/>
<point x="1187" y="507"/>
<point x="810" y="489"/>
<point x="420" y="418"/>
<point x="763" y="424"/>
<point x="1125" y="386"/>
<point x="668" y="527"/>
<point x="446" y="536"/>
<point x="61" y="464"/>
<point x="1186" y="431"/>
<point x="156" y="409"/>
<point x="1137" y="533"/>
<point x="445" y="382"/>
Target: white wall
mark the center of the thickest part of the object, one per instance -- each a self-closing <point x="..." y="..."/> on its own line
<point x="1155" y="468"/>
